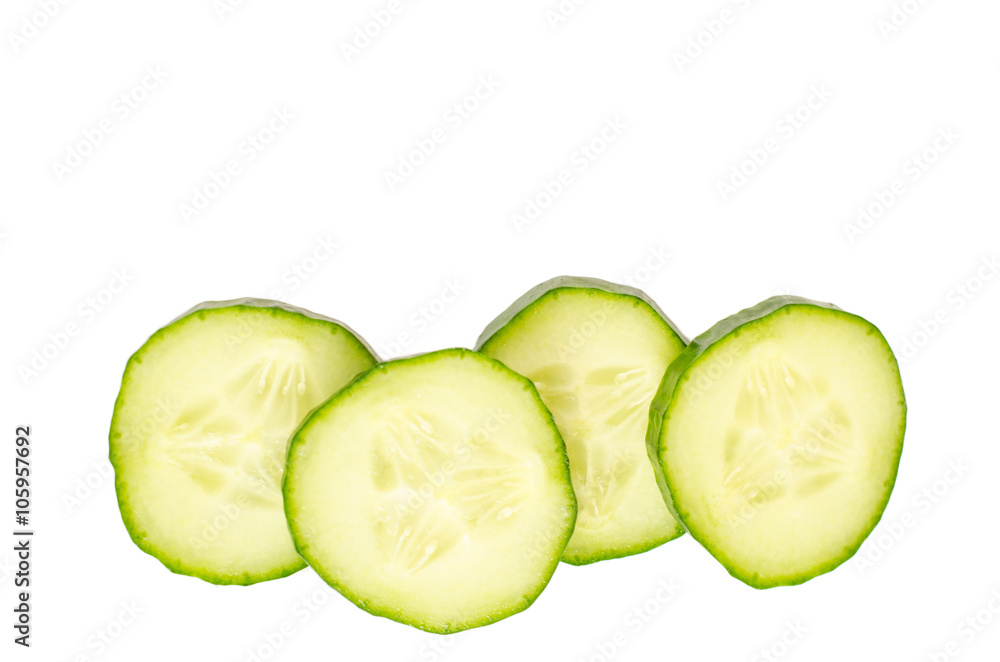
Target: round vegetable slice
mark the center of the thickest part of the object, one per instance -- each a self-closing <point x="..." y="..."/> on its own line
<point x="596" y="351"/>
<point x="201" y="428"/>
<point x="776" y="436"/>
<point x="432" y="490"/>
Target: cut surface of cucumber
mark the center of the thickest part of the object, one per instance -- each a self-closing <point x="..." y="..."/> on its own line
<point x="201" y="427"/>
<point x="596" y="352"/>
<point x="776" y="437"/>
<point x="432" y="490"/>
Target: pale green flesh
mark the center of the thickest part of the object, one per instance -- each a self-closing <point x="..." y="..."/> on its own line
<point x="410" y="452"/>
<point x="776" y="437"/>
<point x="201" y="429"/>
<point x="596" y="357"/>
<point x="433" y="491"/>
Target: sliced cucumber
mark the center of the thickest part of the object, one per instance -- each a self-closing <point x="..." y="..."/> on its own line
<point x="433" y="491"/>
<point x="776" y="436"/>
<point x="596" y="352"/>
<point x="201" y="427"/>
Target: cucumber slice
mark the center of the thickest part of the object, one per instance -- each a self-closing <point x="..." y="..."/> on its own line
<point x="433" y="490"/>
<point x="596" y="352"/>
<point x="201" y="427"/>
<point x="776" y="436"/>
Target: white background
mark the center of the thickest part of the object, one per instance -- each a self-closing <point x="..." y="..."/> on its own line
<point x="654" y="189"/>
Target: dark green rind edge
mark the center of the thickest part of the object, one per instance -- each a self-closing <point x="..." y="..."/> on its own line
<point x="569" y="282"/>
<point x="520" y="307"/>
<point x="178" y="566"/>
<point x="659" y="412"/>
<point x="287" y="490"/>
<point x="624" y="551"/>
<point x="253" y="302"/>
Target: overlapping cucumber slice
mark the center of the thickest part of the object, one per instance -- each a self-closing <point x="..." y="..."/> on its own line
<point x="433" y="490"/>
<point x="596" y="352"/>
<point x="776" y="436"/>
<point x="201" y="427"/>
